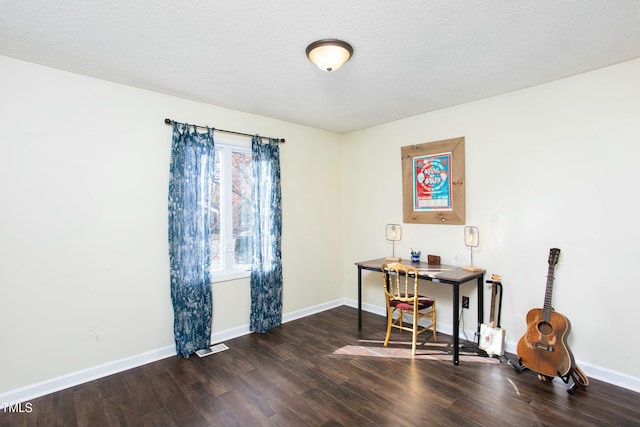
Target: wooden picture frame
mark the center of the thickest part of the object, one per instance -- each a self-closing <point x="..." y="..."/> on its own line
<point x="433" y="182"/>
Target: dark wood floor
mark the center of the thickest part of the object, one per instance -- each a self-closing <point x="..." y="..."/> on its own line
<point x="319" y="371"/>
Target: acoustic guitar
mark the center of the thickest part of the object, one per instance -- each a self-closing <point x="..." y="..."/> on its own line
<point x="543" y="348"/>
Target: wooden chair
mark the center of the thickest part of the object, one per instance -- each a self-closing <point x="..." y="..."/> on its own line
<point x="401" y="294"/>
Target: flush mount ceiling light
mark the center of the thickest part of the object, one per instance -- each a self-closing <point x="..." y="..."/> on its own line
<point x="329" y="54"/>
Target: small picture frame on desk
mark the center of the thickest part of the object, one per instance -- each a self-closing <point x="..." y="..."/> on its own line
<point x="433" y="259"/>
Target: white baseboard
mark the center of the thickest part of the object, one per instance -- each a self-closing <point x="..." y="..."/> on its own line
<point x="288" y="317"/>
<point x="299" y="314"/>
<point x="603" y="374"/>
<point x="60" y="383"/>
<point x="80" y="377"/>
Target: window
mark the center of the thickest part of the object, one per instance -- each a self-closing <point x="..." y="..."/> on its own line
<point x="232" y="216"/>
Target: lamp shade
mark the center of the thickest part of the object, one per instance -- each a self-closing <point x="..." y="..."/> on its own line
<point x="471" y="236"/>
<point x="329" y="54"/>
<point x="393" y="232"/>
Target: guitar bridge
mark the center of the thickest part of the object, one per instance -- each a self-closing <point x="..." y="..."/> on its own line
<point x="542" y="346"/>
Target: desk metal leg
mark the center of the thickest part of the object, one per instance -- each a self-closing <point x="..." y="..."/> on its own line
<point x="480" y="307"/>
<point x="456" y="323"/>
<point x="359" y="298"/>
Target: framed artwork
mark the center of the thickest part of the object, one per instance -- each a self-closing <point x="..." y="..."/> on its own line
<point x="433" y="182"/>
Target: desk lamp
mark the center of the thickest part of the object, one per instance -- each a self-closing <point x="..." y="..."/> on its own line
<point x="471" y="240"/>
<point x="393" y="234"/>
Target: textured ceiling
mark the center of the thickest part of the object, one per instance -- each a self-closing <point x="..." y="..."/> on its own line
<point x="410" y="57"/>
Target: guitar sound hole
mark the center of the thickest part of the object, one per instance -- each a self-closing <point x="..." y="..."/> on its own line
<point x="545" y="328"/>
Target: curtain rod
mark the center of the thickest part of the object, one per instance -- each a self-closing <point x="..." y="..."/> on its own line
<point x="170" y="122"/>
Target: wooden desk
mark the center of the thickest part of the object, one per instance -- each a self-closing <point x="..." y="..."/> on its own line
<point x="449" y="274"/>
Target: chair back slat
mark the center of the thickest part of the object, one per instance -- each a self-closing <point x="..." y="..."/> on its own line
<point x="400" y="281"/>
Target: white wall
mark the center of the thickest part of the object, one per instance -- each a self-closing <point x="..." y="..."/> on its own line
<point x="84" y="168"/>
<point x="83" y="181"/>
<point x="554" y="165"/>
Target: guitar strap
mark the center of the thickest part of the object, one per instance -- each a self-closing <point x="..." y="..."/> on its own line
<point x="496" y="285"/>
<point x="492" y="315"/>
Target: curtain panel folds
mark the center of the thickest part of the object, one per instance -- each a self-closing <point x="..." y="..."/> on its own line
<point x="190" y="192"/>
<point x="266" y="271"/>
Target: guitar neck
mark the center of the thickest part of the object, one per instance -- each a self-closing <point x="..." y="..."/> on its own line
<point x="554" y="254"/>
<point x="546" y="311"/>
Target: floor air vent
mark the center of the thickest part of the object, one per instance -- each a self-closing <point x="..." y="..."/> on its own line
<point x="217" y="348"/>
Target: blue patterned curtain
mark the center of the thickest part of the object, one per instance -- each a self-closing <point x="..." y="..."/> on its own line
<point x="266" y="271"/>
<point x="190" y="191"/>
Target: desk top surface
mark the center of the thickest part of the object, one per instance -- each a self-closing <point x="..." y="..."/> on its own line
<point x="442" y="272"/>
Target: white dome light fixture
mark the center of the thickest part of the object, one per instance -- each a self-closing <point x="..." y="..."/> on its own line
<point x="329" y="54"/>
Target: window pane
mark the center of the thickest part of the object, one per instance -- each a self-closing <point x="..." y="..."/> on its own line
<point x="242" y="214"/>
<point x="216" y="241"/>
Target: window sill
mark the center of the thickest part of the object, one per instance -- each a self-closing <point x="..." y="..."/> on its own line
<point x="225" y="276"/>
